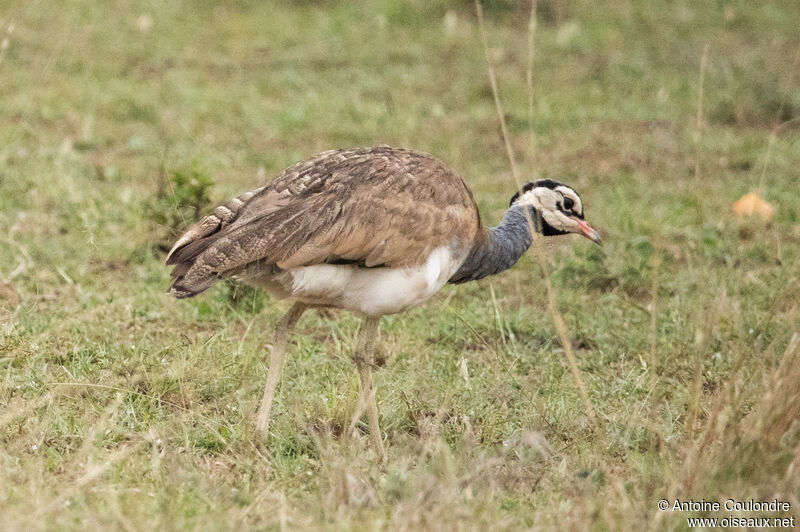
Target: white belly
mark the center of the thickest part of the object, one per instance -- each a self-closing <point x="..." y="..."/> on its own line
<point x="372" y="291"/>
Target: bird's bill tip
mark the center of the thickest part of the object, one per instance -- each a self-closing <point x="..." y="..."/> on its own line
<point x="588" y="231"/>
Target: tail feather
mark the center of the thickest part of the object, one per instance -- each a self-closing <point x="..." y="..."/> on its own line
<point x="187" y="252"/>
<point x="179" y="292"/>
<point x="220" y="218"/>
<point x="182" y="287"/>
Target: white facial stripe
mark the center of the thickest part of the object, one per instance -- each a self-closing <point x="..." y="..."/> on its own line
<point x="554" y="220"/>
<point x="532" y="198"/>
<point x="545" y="200"/>
<point x="549" y="202"/>
<point x="569" y="193"/>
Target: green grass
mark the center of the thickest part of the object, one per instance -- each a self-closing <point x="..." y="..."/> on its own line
<point x="123" y="408"/>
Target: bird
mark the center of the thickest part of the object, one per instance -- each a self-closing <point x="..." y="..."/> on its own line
<point x="372" y="230"/>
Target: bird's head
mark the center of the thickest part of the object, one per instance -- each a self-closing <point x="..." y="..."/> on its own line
<point x="556" y="209"/>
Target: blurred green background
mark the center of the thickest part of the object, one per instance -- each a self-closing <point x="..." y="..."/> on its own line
<point x="122" y="122"/>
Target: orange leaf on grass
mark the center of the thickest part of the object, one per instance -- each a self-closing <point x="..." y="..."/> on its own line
<point x="750" y="204"/>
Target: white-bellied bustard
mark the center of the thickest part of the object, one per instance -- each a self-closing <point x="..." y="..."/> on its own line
<point x="370" y="230"/>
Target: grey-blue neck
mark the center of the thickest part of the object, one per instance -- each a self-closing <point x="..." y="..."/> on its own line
<point x="506" y="244"/>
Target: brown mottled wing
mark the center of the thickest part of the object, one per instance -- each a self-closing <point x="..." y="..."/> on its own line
<point x="372" y="206"/>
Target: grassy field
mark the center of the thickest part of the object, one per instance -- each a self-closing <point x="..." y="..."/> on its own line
<point x="121" y="408"/>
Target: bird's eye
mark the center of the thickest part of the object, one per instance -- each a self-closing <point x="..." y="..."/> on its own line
<point x="568" y="204"/>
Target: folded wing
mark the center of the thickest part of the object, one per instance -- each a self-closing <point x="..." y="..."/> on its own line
<point x="375" y="207"/>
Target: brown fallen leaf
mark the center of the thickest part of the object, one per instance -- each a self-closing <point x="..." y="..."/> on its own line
<point x="750" y="204"/>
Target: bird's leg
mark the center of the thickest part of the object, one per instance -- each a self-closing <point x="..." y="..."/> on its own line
<point x="283" y="330"/>
<point x="363" y="358"/>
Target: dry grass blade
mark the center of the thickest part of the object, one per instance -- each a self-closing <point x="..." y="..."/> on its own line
<point x="91" y="475"/>
<point x="751" y="441"/>
<point x="193" y="413"/>
<point x="500" y="359"/>
<point x="563" y="336"/>
<point x="698" y="122"/>
<point x="779" y="405"/>
<point x="703" y="338"/>
<point x="561" y="327"/>
<point x="529" y="86"/>
<point x="23" y="410"/>
<point x="496" y="94"/>
<point x="108" y="415"/>
<point x="498" y="316"/>
<point x="773" y="135"/>
<point x="654" y="312"/>
<point x="652" y="369"/>
<point x="120" y="390"/>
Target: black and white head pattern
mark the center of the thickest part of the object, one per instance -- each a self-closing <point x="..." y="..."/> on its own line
<point x="559" y="205"/>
